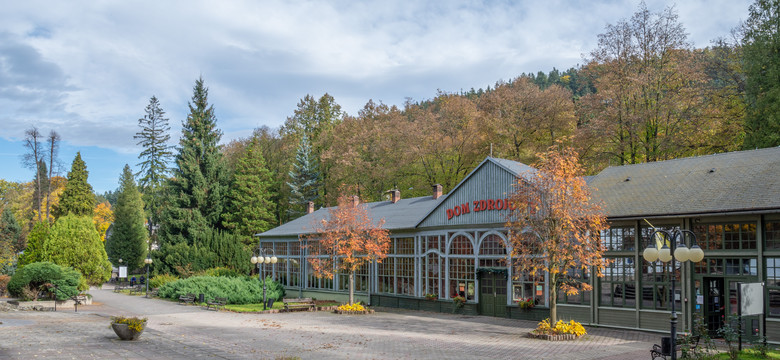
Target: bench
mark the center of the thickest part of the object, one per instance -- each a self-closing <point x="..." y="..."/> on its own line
<point x="691" y="340"/>
<point x="187" y="299"/>
<point x="136" y="289"/>
<point x="299" y="303"/>
<point x="216" y="303"/>
<point x="78" y="300"/>
<point x="153" y="292"/>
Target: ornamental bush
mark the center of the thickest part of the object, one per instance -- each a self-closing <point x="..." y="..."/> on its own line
<point x="572" y="327"/>
<point x="162" y="279"/>
<point x="34" y="278"/>
<point x="237" y="290"/>
<point x="223" y="271"/>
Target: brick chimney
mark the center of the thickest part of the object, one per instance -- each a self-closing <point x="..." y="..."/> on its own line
<point x="355" y="200"/>
<point x="437" y="191"/>
<point x="310" y="208"/>
<point x="395" y="195"/>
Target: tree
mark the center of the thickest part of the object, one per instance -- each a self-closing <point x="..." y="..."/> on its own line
<point x="53" y="140"/>
<point x="761" y="47"/>
<point x="11" y="232"/>
<point x="554" y="226"/>
<point x="73" y="241"/>
<point x="195" y="194"/>
<point x="128" y="240"/>
<point x="156" y="155"/>
<point x="78" y="198"/>
<point x="249" y="209"/>
<point x="41" y="182"/>
<point x="304" y="179"/>
<point x="32" y="160"/>
<point x="35" y="239"/>
<point x="349" y="239"/>
<point x="103" y="218"/>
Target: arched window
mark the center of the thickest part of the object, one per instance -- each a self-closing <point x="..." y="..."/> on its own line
<point x="461" y="268"/>
<point x="461" y="245"/>
<point x="492" y="245"/>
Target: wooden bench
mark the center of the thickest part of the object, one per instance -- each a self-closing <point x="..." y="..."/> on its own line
<point x="187" y="299"/>
<point x="153" y="292"/>
<point x="216" y="303"/>
<point x="691" y="340"/>
<point x="136" y="289"/>
<point x="299" y="303"/>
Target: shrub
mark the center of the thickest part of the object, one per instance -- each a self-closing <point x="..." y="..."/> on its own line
<point x="162" y="279"/>
<point x="4" y="279"/>
<point x="34" y="278"/>
<point x="237" y="290"/>
<point x="222" y="271"/>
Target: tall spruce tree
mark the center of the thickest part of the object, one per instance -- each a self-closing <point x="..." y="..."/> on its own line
<point x="78" y="198"/>
<point x="761" y="49"/>
<point x="156" y="155"/>
<point x="304" y="179"/>
<point x="10" y="231"/>
<point x="249" y="209"/>
<point x="128" y="240"/>
<point x="195" y="194"/>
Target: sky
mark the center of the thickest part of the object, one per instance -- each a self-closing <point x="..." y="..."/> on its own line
<point x="87" y="69"/>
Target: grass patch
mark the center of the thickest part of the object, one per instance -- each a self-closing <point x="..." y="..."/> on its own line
<point x="750" y="355"/>
<point x="278" y="305"/>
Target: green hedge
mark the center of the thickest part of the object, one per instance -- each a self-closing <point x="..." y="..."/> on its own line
<point x="34" y="277"/>
<point x="162" y="279"/>
<point x="237" y="290"/>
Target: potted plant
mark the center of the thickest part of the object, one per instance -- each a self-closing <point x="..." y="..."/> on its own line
<point x="459" y="301"/>
<point x="431" y="296"/>
<point x="526" y="303"/>
<point x="128" y="328"/>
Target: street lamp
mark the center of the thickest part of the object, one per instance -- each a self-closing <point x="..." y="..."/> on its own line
<point x="148" y="261"/>
<point x="671" y="253"/>
<point x="264" y="258"/>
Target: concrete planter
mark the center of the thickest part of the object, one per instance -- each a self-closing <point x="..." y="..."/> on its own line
<point x="560" y="337"/>
<point x="125" y="333"/>
<point x="44" y="305"/>
<point x="343" y="312"/>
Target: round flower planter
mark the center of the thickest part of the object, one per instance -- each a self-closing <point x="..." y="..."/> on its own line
<point x="125" y="333"/>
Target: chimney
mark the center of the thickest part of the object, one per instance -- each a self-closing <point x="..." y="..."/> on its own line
<point x="355" y="200"/>
<point x="436" y="191"/>
<point x="310" y="208"/>
<point x="395" y="195"/>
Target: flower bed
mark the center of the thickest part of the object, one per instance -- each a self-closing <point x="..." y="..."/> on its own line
<point x="354" y="309"/>
<point x="562" y="331"/>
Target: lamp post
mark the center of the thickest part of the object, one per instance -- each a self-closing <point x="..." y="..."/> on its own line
<point x="264" y="259"/>
<point x="148" y="262"/>
<point x="671" y="253"/>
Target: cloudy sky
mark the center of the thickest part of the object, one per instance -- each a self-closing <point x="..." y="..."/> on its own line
<point x="88" y="68"/>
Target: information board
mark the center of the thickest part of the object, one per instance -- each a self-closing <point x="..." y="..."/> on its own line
<point x="123" y="271"/>
<point x="752" y="298"/>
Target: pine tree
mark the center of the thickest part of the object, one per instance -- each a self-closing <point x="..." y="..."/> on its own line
<point x="128" y="240"/>
<point x="35" y="239"/>
<point x="304" y="179"/>
<point x="249" y="210"/>
<point x="78" y="198"/>
<point x="196" y="191"/>
<point x="156" y="155"/>
<point x="761" y="48"/>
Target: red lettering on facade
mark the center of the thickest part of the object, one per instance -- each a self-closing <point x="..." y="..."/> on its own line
<point x="464" y="208"/>
<point x="490" y="204"/>
<point x="450" y="214"/>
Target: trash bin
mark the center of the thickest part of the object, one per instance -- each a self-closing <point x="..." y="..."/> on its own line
<point x="666" y="346"/>
<point x="202" y="298"/>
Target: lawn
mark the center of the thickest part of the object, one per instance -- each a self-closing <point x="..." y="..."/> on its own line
<point x="278" y="305"/>
<point x="750" y="355"/>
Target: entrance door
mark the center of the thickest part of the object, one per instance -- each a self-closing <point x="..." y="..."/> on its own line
<point x="492" y="294"/>
<point x="714" y="305"/>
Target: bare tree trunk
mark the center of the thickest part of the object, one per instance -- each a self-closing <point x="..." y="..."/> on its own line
<point x="351" y="287"/>
<point x="553" y="302"/>
<point x="54" y="143"/>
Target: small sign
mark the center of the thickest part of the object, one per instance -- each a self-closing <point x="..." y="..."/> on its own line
<point x="123" y="271"/>
<point x="699" y="299"/>
<point x="539" y="290"/>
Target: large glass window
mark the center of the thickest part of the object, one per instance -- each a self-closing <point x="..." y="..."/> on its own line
<point x="361" y="279"/>
<point x="726" y="236"/>
<point x="404" y="281"/>
<point x="618" y="238"/>
<point x="657" y="285"/>
<point x="773" y="285"/>
<point x="461" y="245"/>
<point x="386" y="275"/>
<point x="617" y="286"/>
<point x="404" y="246"/>
<point x="318" y="282"/>
<point x="582" y="297"/>
<point x="433" y="274"/>
<point x="492" y="245"/>
<point x="528" y="287"/>
<point x="772" y="235"/>
<point x="433" y="243"/>
<point x="462" y="278"/>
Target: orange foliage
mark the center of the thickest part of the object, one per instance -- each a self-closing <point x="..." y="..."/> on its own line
<point x="554" y="227"/>
<point x="103" y="218"/>
<point x="346" y="240"/>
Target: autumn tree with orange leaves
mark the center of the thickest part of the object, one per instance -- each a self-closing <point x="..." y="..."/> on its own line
<point x="347" y="239"/>
<point x="554" y="227"/>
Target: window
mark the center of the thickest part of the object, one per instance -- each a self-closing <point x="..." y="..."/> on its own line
<point x="281" y="271"/>
<point x="462" y="278"/>
<point x="618" y="238"/>
<point x="583" y="297"/>
<point x="461" y="245"/>
<point x="386" y="275"/>
<point x="433" y="243"/>
<point x="525" y="287"/>
<point x="432" y="274"/>
<point x="772" y="235"/>
<point x="492" y="245"/>
<point x="361" y="279"/>
<point x="404" y="246"/>
<point x="773" y="285"/>
<point x="656" y="285"/>
<point x="317" y="282"/>
<point x="618" y="286"/>
<point x="726" y="236"/>
<point x="404" y="276"/>
<point x="295" y="272"/>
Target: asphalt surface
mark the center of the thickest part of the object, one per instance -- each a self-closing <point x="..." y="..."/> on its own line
<point x="185" y="332"/>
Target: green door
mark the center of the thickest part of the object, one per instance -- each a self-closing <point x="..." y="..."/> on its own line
<point x="492" y="294"/>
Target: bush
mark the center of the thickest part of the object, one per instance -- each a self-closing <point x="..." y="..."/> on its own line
<point x="31" y="280"/>
<point x="4" y="279"/>
<point x="223" y="271"/>
<point x="237" y="290"/>
<point x="162" y="279"/>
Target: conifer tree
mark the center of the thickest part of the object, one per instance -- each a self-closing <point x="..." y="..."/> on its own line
<point x="156" y="155"/>
<point x="304" y="179"/>
<point x="35" y="239"/>
<point x="78" y="198"/>
<point x="10" y="231"/>
<point x="73" y="241"/>
<point x="196" y="191"/>
<point x="249" y="209"/>
<point x="128" y="240"/>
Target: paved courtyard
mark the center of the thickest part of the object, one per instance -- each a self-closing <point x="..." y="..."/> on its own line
<point x="185" y="332"/>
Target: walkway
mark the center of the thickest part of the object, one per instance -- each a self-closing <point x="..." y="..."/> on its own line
<point x="185" y="332"/>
